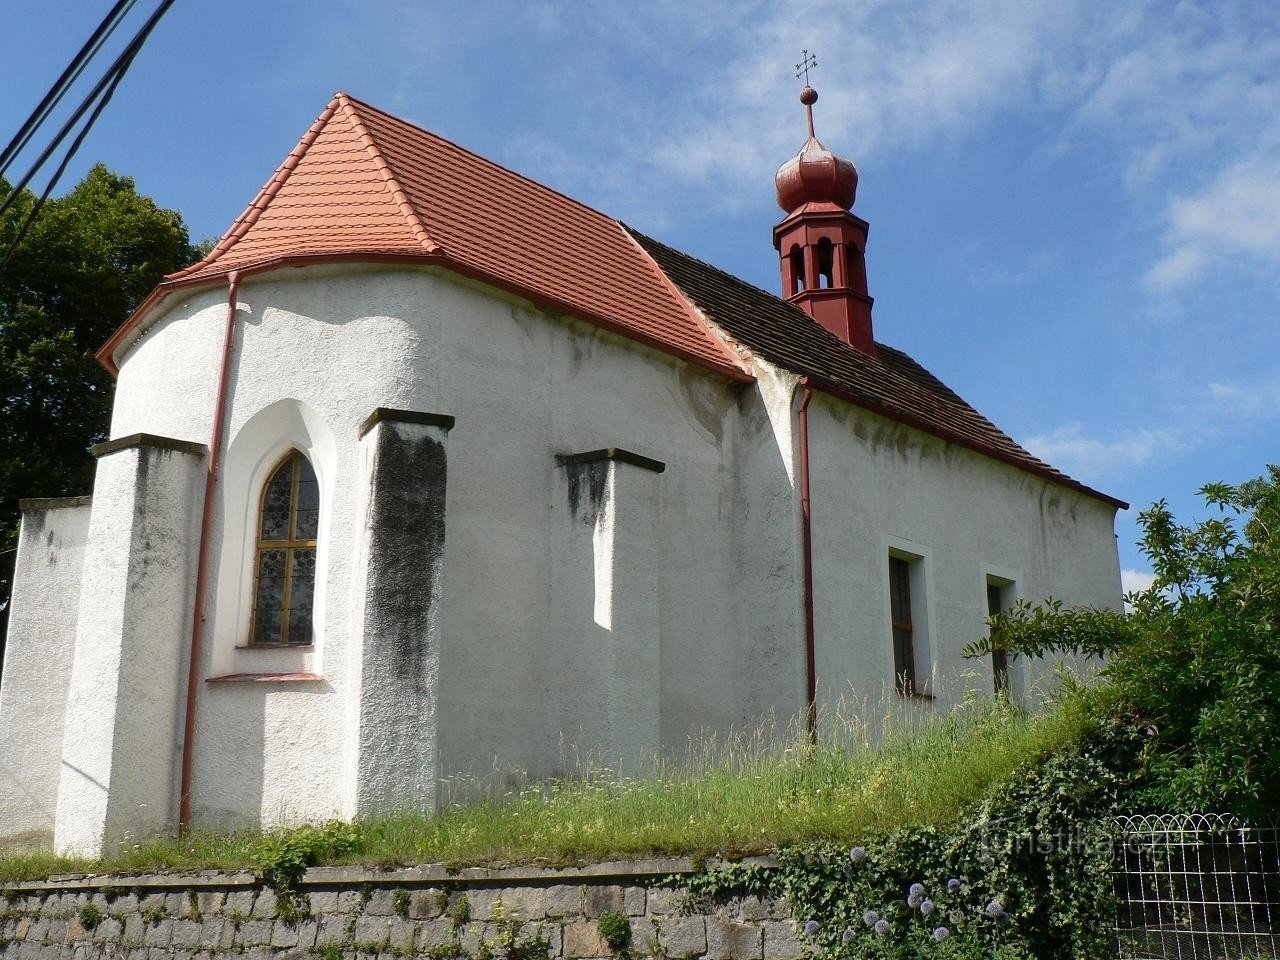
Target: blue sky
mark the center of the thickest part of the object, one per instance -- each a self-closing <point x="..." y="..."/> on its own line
<point x="1074" y="206"/>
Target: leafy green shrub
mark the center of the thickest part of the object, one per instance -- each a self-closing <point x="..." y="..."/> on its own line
<point x="284" y="857"/>
<point x="400" y="902"/>
<point x="90" y="916"/>
<point x="1024" y="875"/>
<point x="1197" y="660"/>
<point x="460" y="912"/>
<point x="510" y="945"/>
<point x="615" y="929"/>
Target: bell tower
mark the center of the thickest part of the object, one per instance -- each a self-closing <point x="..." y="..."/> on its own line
<point x="820" y="243"/>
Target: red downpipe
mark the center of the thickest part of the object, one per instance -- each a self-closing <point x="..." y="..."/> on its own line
<point x="202" y="564"/>
<point x="810" y="652"/>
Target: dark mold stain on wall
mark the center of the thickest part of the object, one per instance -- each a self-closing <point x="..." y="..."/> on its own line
<point x="406" y="548"/>
<point x="588" y="484"/>
<point x="708" y="400"/>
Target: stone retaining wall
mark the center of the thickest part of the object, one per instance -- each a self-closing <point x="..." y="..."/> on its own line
<point x="357" y="914"/>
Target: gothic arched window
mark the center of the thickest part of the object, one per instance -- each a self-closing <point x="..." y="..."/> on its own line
<point x="285" y="571"/>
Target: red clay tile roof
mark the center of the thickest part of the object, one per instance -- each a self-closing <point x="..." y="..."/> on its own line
<point x="363" y="185"/>
<point x="891" y="383"/>
<point x="331" y="195"/>
<point x="364" y="182"/>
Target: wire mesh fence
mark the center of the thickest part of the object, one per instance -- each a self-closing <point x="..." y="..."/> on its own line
<point x="1197" y="887"/>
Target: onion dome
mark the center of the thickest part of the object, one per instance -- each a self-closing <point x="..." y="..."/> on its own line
<point x="815" y="174"/>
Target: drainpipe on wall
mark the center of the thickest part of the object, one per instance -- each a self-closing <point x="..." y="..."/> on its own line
<point x="811" y="669"/>
<point x="202" y="563"/>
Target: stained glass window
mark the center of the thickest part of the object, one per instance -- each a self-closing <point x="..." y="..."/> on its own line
<point x="285" y="573"/>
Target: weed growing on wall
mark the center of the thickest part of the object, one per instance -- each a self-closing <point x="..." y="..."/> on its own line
<point x="615" y="929"/>
<point x="90" y="916"/>
<point x="400" y="902"/>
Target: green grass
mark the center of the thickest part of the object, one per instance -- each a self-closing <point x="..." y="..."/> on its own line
<point x="749" y="794"/>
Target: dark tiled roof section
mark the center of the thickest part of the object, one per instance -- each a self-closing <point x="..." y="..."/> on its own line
<point x="890" y="384"/>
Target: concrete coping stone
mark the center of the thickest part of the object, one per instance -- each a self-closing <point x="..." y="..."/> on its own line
<point x="206" y="879"/>
<point x="439" y="873"/>
<point x="52" y="503"/>
<point x="612" y="453"/>
<point x="148" y="440"/>
<point x="425" y="874"/>
<point x="392" y="415"/>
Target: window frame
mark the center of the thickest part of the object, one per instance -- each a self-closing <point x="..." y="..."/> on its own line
<point x="999" y="658"/>
<point x="1009" y="583"/>
<point x="296" y="457"/>
<point x="903" y="632"/>
<point x="919" y="560"/>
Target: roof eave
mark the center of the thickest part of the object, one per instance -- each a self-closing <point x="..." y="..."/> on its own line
<point x="959" y="439"/>
<point x="106" y="353"/>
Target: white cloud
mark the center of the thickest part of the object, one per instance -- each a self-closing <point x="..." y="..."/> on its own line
<point x="1218" y="410"/>
<point x="1180" y="103"/>
<point x="1175" y="101"/>
<point x="1135" y="581"/>
<point x="1256" y="399"/>
<point x="1072" y="449"/>
<point x="1236" y="215"/>
<point x="891" y="75"/>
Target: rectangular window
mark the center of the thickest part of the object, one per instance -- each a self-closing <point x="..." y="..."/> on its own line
<point x="998" y="599"/>
<point x="904" y="660"/>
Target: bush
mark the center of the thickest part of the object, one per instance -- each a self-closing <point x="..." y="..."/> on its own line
<point x="1027" y="875"/>
<point x="284" y="857"/>
<point x="615" y="928"/>
<point x="90" y="916"/>
<point x="1196" y="662"/>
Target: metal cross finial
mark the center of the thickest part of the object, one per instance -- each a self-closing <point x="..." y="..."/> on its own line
<point x="807" y="62"/>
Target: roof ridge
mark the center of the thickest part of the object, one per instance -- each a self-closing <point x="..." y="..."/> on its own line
<point x="688" y="305"/>
<point x="410" y="214"/>
<point x="720" y="270"/>
<point x="259" y="204"/>
<point x="802" y="315"/>
<point x="483" y="159"/>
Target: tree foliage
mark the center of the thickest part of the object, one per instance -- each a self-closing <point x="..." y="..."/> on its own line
<point x="1197" y="658"/>
<point x="88" y="260"/>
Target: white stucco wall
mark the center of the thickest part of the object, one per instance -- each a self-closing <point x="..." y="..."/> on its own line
<point x="400" y="557"/>
<point x="122" y="737"/>
<point x="606" y="597"/>
<point x="319" y="348"/>
<point x="877" y="487"/>
<point x="37" y="665"/>
<point x="524" y="387"/>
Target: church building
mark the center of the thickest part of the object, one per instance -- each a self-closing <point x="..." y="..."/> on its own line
<point x="427" y="464"/>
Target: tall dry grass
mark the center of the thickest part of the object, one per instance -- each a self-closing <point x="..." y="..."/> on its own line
<point x="877" y="766"/>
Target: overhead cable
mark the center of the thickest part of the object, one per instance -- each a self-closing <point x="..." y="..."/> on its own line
<point x="64" y="83"/>
<point x="120" y="64"/>
<point x="96" y="100"/>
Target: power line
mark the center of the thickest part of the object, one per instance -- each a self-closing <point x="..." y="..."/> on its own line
<point x="120" y="62"/>
<point x="71" y="152"/>
<point x="64" y="83"/>
<point x="97" y="99"/>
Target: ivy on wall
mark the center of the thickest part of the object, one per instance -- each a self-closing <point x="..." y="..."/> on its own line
<point x="1026" y="875"/>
